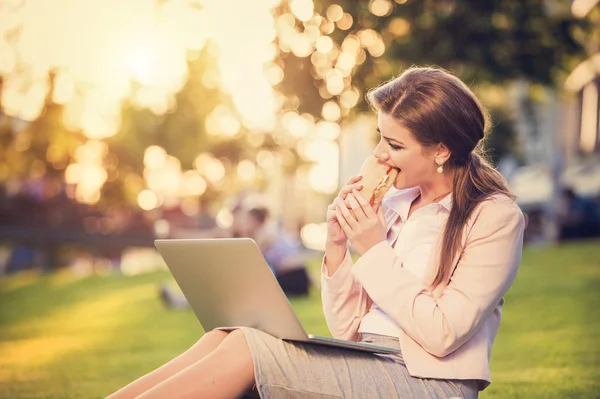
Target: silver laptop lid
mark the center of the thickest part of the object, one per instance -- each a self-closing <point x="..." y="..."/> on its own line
<point x="228" y="283"/>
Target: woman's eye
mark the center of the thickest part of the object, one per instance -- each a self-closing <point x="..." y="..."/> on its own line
<point x="395" y="147"/>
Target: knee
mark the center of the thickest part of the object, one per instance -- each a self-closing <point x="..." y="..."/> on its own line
<point x="237" y="351"/>
<point x="238" y="336"/>
<point x="216" y="334"/>
<point x="237" y="344"/>
<point x="212" y="337"/>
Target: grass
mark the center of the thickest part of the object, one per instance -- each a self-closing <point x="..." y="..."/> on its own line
<point x="67" y="337"/>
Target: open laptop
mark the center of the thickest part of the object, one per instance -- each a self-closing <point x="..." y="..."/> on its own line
<point x="228" y="283"/>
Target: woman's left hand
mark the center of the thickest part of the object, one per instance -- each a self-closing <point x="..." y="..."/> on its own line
<point x="368" y="229"/>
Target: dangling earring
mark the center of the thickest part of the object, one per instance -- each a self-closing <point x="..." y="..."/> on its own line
<point x="440" y="168"/>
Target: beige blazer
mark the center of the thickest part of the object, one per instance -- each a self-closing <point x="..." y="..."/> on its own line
<point x="447" y="332"/>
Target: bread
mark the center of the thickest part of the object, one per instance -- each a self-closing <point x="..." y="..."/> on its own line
<point x="377" y="179"/>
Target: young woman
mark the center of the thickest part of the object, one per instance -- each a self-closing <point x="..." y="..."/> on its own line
<point x="434" y="265"/>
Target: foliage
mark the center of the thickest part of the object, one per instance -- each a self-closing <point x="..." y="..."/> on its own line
<point x="490" y="42"/>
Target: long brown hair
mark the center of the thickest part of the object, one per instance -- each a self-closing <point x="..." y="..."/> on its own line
<point x="437" y="107"/>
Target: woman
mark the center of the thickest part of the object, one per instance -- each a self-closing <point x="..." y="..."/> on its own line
<point x="435" y="263"/>
<point x="282" y="252"/>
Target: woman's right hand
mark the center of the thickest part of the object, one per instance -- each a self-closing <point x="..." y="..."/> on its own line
<point x="335" y="233"/>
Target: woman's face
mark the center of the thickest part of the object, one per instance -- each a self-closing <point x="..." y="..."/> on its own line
<point x="398" y="148"/>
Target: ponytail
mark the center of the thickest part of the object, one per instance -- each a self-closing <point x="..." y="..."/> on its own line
<point x="474" y="182"/>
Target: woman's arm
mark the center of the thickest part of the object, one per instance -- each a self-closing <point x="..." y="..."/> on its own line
<point x="487" y="267"/>
<point x="345" y="301"/>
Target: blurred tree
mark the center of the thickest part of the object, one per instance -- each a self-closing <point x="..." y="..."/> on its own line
<point x="181" y="131"/>
<point x="502" y="140"/>
<point x="37" y="152"/>
<point x="482" y="41"/>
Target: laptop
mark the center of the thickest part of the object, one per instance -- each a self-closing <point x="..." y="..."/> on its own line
<point x="228" y="283"/>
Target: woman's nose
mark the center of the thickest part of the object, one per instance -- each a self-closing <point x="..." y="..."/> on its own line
<point x="381" y="153"/>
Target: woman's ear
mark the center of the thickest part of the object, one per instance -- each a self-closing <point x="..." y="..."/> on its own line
<point x="442" y="154"/>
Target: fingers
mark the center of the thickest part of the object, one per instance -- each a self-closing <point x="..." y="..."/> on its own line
<point x="343" y="217"/>
<point x="351" y="184"/>
<point x="348" y="189"/>
<point x="331" y="209"/>
<point x="368" y="210"/>
<point x="339" y="203"/>
<point x="371" y="212"/>
<point x="356" y="207"/>
<point x="330" y="214"/>
<point x="353" y="180"/>
<point x="346" y="213"/>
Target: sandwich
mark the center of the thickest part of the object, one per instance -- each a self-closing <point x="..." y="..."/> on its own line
<point x="377" y="179"/>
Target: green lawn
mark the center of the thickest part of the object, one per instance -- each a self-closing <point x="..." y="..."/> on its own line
<point x="64" y="337"/>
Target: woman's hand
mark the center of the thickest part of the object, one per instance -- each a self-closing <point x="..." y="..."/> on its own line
<point x="368" y="229"/>
<point x="335" y="233"/>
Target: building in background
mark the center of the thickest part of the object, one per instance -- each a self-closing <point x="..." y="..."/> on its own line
<point x="584" y="80"/>
<point x="559" y="132"/>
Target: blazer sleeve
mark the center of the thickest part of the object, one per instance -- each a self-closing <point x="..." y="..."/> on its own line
<point x="345" y="301"/>
<point x="486" y="268"/>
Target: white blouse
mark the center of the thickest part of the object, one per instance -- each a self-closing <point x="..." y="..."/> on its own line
<point x="413" y="239"/>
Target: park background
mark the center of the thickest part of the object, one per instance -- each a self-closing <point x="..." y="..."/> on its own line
<point x="126" y="121"/>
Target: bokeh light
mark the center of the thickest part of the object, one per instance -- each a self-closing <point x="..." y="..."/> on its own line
<point x="97" y="69"/>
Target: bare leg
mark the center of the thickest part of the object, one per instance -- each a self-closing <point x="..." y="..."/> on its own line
<point x="227" y="372"/>
<point x="208" y="343"/>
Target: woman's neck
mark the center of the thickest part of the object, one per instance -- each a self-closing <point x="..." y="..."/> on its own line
<point x="437" y="190"/>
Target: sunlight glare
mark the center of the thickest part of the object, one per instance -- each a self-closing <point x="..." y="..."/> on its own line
<point x="104" y="45"/>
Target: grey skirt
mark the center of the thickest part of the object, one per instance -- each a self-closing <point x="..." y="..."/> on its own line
<point x="300" y="370"/>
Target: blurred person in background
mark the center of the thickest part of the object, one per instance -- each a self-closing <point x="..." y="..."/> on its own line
<point x="233" y="231"/>
<point x="285" y="255"/>
<point x="434" y="264"/>
<point x="579" y="217"/>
